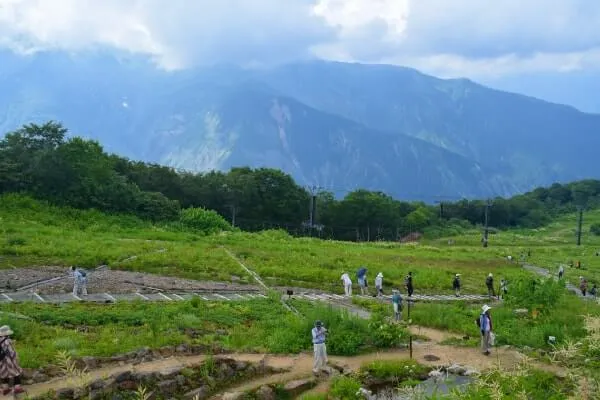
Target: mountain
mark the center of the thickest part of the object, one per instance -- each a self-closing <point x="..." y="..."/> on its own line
<point x="336" y="125"/>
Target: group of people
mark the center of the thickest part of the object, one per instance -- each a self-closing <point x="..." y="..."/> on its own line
<point x="583" y="284"/>
<point x="361" y="275"/>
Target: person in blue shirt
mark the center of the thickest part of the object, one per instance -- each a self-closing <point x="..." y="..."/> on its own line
<point x="397" y="304"/>
<point x="318" y="337"/>
<point x="485" y="325"/>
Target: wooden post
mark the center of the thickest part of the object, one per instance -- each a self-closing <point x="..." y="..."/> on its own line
<point x="410" y="347"/>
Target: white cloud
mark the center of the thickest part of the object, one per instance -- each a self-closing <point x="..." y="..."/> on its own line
<point x="449" y="37"/>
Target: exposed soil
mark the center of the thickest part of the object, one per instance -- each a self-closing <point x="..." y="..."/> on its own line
<point x="106" y="280"/>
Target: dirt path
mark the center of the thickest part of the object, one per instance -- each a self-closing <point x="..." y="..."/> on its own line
<point x="300" y="366"/>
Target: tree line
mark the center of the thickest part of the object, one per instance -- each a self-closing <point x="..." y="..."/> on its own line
<point x="39" y="159"/>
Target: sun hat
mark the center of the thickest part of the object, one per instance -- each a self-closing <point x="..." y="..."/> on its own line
<point x="5" y="331"/>
<point x="486" y="308"/>
<point x="457" y="275"/>
<point x="490" y="275"/>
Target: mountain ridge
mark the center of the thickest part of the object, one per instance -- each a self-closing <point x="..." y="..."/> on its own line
<point x="374" y="126"/>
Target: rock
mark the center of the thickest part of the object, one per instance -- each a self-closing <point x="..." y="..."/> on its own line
<point x="53" y="371"/>
<point x="241" y="366"/>
<point x="235" y="278"/>
<point x="128" y="385"/>
<point x="97" y="384"/>
<point x="265" y="393"/>
<point x="65" y="394"/>
<point x="167" y="387"/>
<point x="181" y="380"/>
<point x="295" y="388"/>
<point x="456" y="369"/>
<point x="232" y="396"/>
<point x="39" y="377"/>
<point x="201" y="392"/>
<point x="182" y="348"/>
<point x="431" y="357"/>
<point x="221" y="332"/>
<point x="79" y="393"/>
<point x="167" y="351"/>
<point x="471" y="372"/>
<point x="90" y="362"/>
<point x="122" y="376"/>
<point x="226" y="371"/>
<point x="144" y="377"/>
<point x="28" y="373"/>
<point x="170" y="372"/>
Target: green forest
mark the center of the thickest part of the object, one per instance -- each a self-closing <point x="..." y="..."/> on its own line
<point x="44" y="161"/>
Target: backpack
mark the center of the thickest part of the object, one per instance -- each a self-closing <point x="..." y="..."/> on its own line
<point x="83" y="273"/>
<point x="478" y="321"/>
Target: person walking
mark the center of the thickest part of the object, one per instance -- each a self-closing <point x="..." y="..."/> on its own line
<point x="408" y="282"/>
<point x="397" y="304"/>
<point x="10" y="371"/>
<point x="379" y="284"/>
<point x="489" y="282"/>
<point x="347" y="284"/>
<point x="486" y="328"/>
<point x="561" y="271"/>
<point x="318" y="337"/>
<point x="503" y="287"/>
<point x="80" y="281"/>
<point x="594" y="290"/>
<point x="456" y="285"/>
<point x="362" y="280"/>
<point x="583" y="285"/>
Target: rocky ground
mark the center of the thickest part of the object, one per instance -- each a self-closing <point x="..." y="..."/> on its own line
<point x="106" y="280"/>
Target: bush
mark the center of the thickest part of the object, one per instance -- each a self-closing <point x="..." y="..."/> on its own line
<point x="595" y="229"/>
<point x="204" y="221"/>
<point x="398" y="370"/>
<point x="385" y="334"/>
<point x="535" y="294"/>
<point x="345" y="388"/>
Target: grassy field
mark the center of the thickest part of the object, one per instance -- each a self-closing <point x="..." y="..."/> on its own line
<point x="260" y="325"/>
<point x="36" y="234"/>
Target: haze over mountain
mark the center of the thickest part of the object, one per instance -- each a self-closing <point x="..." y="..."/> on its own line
<point x="336" y="125"/>
<point x="203" y="85"/>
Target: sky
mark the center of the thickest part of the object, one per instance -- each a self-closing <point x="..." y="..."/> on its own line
<point x="545" y="48"/>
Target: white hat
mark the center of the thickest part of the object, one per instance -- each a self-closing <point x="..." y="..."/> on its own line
<point x="5" y="331"/>
<point x="457" y="275"/>
<point x="490" y="275"/>
<point x="380" y="274"/>
<point x="486" y="308"/>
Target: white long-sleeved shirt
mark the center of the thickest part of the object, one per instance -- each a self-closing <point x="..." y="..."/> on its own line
<point x="346" y="279"/>
<point x="378" y="281"/>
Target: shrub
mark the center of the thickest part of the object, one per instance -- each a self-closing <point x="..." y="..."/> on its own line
<point x="345" y="388"/>
<point x="533" y="293"/>
<point x="595" y="229"/>
<point x="400" y="370"/>
<point x="204" y="221"/>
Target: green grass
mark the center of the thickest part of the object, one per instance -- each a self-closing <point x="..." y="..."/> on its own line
<point x="35" y="233"/>
<point x="105" y="330"/>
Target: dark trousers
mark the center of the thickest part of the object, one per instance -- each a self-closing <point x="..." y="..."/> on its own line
<point x="12" y="381"/>
<point x="410" y="290"/>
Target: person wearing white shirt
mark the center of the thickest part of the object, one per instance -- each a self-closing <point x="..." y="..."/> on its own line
<point x="347" y="284"/>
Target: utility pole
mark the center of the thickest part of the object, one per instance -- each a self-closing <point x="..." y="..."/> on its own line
<point x="579" y="225"/>
<point x="312" y="212"/>
<point x="233" y="212"/>
<point x="486" y="227"/>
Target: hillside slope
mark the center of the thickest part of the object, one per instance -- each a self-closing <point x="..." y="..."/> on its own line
<point x="336" y="125"/>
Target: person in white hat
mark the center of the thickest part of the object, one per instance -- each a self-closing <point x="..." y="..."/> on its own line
<point x="456" y="285"/>
<point x="379" y="284"/>
<point x="486" y="328"/>
<point x="10" y="371"/>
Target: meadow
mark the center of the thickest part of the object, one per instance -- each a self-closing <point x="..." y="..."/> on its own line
<point x="33" y="233"/>
<point x="251" y="326"/>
